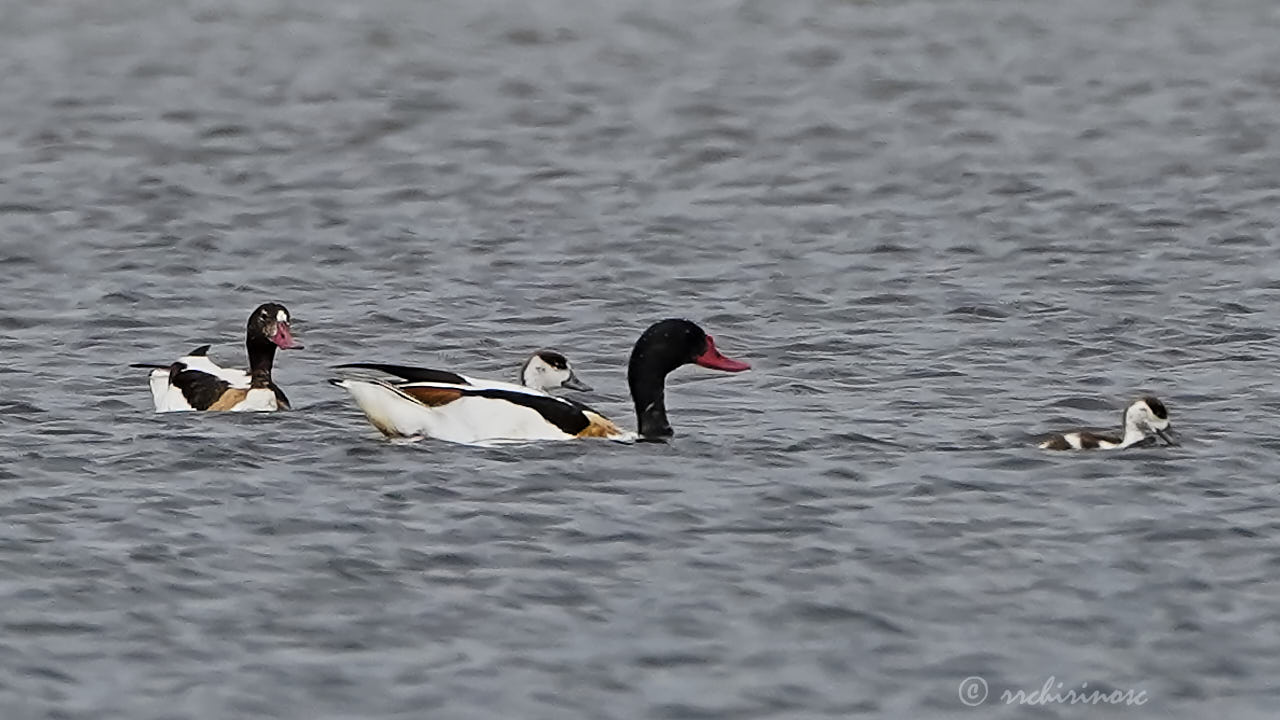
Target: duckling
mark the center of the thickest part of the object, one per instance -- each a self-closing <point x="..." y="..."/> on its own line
<point x="1144" y="419"/>
<point x="547" y="370"/>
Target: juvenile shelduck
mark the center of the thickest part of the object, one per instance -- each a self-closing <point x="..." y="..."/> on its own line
<point x="545" y="370"/>
<point x="1144" y="419"/>
<point x="195" y="382"/>
<point x="452" y="407"/>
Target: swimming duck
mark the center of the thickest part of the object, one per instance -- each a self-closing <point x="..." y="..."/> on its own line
<point x="455" y="408"/>
<point x="545" y="370"/>
<point x="195" y="382"/>
<point x="1144" y="419"/>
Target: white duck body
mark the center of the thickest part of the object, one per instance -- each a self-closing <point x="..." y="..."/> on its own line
<point x="468" y="413"/>
<point x="455" y="408"/>
<point x="170" y="388"/>
<point x="169" y="398"/>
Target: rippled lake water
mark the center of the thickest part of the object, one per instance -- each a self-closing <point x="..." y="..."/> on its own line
<point x="935" y="228"/>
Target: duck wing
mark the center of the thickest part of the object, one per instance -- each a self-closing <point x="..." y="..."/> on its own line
<point x="412" y="374"/>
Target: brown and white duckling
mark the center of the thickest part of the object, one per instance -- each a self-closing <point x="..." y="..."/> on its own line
<point x="1144" y="419"/>
<point x="544" y="371"/>
<point x="195" y="382"/>
<point x="547" y="370"/>
<point x="455" y="408"/>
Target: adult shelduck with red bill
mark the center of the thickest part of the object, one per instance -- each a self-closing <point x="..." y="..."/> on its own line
<point x="447" y="406"/>
<point x="195" y="382"/>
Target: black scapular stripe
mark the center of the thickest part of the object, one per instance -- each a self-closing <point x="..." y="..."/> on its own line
<point x="199" y="388"/>
<point x="202" y="351"/>
<point x="567" y="416"/>
<point x="412" y="374"/>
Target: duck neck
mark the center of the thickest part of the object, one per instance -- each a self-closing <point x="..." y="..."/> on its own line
<point x="523" y="377"/>
<point x="262" y="353"/>
<point x="1132" y="435"/>
<point x="648" y="391"/>
<point x="1133" y="431"/>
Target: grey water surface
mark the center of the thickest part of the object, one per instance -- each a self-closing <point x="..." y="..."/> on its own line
<point x="935" y="228"/>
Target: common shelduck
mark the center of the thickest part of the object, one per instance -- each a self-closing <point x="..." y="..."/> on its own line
<point x="1144" y="419"/>
<point x="195" y="382"/>
<point x="545" y="370"/>
<point x="455" y="408"/>
<point x="548" y="369"/>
